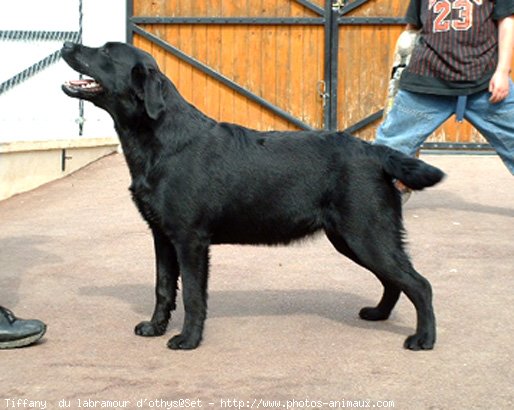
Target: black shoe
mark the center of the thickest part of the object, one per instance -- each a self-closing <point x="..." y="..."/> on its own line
<point x="16" y="332"/>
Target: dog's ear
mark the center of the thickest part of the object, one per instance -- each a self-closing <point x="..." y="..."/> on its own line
<point x="148" y="88"/>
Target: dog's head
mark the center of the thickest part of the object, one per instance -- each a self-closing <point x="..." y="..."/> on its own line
<point x="124" y="80"/>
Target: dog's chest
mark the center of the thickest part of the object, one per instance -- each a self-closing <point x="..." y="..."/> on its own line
<point x="143" y="198"/>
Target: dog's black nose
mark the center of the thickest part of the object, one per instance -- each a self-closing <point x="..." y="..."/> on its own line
<point x="68" y="45"/>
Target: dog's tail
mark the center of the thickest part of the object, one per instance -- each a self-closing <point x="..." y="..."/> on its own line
<point x="412" y="172"/>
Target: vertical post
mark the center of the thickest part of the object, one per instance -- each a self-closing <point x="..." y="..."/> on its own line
<point x="130" y="14"/>
<point x="331" y="63"/>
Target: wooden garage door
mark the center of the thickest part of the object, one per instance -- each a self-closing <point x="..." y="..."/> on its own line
<point x="253" y="62"/>
<point x="282" y="64"/>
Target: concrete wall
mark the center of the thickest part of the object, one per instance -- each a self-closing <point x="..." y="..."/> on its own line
<point x="27" y="165"/>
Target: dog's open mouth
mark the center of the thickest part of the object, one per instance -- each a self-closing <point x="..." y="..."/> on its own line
<point x="85" y="87"/>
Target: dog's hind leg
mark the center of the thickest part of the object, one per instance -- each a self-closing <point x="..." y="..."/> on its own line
<point x="380" y="250"/>
<point x="385" y="306"/>
<point x="167" y="271"/>
<point x="193" y="257"/>
<point x="391" y="292"/>
<point x="419" y="292"/>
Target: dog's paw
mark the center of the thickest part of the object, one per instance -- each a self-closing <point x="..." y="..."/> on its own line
<point x="373" y="314"/>
<point x="419" y="342"/>
<point x="180" y="342"/>
<point x="150" y="329"/>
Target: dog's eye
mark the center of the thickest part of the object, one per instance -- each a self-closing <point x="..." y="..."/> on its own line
<point x="105" y="51"/>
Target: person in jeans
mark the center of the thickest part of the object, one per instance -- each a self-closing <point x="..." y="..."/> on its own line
<point x="460" y="65"/>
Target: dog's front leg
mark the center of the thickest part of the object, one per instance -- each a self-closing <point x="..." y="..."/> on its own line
<point x="193" y="258"/>
<point x="165" y="287"/>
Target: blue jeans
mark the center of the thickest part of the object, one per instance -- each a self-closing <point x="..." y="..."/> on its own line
<point x="415" y="116"/>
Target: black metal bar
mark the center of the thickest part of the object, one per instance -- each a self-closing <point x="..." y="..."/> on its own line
<point x="221" y="78"/>
<point x="365" y="122"/>
<point x="311" y="6"/>
<point x="129" y="24"/>
<point x="456" y="146"/>
<point x="331" y="66"/>
<point x="346" y="21"/>
<point x="274" y="21"/>
<point x="327" y="69"/>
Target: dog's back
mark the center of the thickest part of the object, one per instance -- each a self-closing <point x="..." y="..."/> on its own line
<point x="252" y="187"/>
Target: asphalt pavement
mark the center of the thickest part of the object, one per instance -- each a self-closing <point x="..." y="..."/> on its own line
<point x="283" y="328"/>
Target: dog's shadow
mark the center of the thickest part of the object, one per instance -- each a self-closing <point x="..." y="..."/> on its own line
<point x="18" y="256"/>
<point x="445" y="199"/>
<point x="337" y="306"/>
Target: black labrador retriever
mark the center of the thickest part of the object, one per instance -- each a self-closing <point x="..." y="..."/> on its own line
<point x="199" y="182"/>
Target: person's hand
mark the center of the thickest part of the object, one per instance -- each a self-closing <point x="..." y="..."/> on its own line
<point x="499" y="87"/>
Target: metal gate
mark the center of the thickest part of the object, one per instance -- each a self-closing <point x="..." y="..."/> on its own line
<point x="280" y="64"/>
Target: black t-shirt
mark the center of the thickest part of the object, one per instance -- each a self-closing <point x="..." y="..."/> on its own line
<point x="458" y="49"/>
